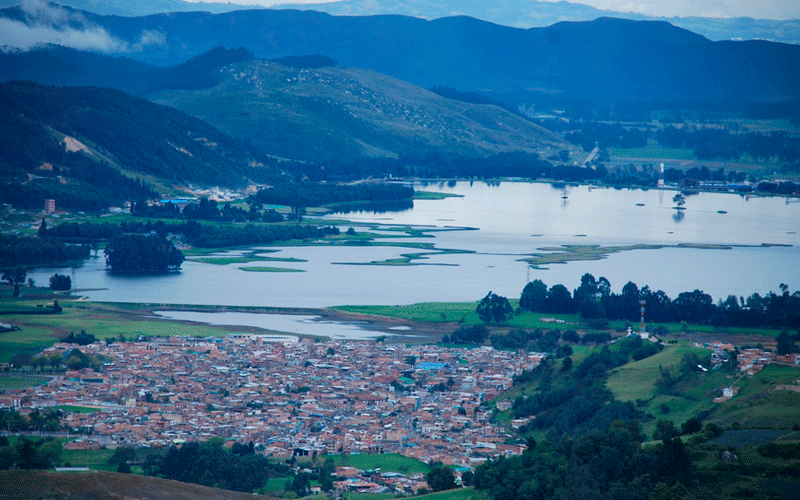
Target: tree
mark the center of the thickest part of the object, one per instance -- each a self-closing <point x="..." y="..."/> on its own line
<point x="679" y="200"/>
<point x="137" y="252"/>
<point x="411" y="360"/>
<point x="14" y="275"/>
<point x="60" y="282"/>
<point x="440" y="479"/>
<point x="571" y="336"/>
<point x="786" y="344"/>
<point x="533" y="296"/>
<point x="494" y="308"/>
<point x="20" y="359"/>
<point x="691" y="426"/>
<point x="56" y="360"/>
<point x="665" y="430"/>
<point x="559" y="300"/>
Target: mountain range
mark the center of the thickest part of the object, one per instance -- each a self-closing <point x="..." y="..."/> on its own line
<point x="603" y="60"/>
<point x="516" y="13"/>
<point x="252" y="113"/>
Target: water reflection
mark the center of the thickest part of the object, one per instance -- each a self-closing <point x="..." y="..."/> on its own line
<point x="678" y="215"/>
<point x="378" y="207"/>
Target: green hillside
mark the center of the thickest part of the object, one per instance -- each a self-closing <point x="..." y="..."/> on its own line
<point x="336" y="113"/>
<point x="91" y="147"/>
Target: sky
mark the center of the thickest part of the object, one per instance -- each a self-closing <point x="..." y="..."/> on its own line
<point x="758" y="9"/>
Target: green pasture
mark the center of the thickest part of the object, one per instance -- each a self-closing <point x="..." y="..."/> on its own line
<point x="652" y="153"/>
<point x="442" y="312"/>
<point x="20" y="381"/>
<point x="94" y="459"/>
<point x="359" y="496"/>
<point x="426" y="311"/>
<point x="760" y="404"/>
<point x="387" y="463"/>
<point x="76" y="409"/>
<point x="456" y="494"/>
<point x="29" y="340"/>
<point x="275" y="484"/>
<point x="101" y="320"/>
<point x="636" y="380"/>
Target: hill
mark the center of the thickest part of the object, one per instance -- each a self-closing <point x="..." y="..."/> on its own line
<point x="334" y="113"/>
<point x="100" y="485"/>
<point x="606" y="59"/>
<point x="57" y="65"/>
<point x="532" y="14"/>
<point x="90" y="147"/>
<point x="528" y="14"/>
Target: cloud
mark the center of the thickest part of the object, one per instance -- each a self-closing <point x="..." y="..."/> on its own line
<point x="51" y="24"/>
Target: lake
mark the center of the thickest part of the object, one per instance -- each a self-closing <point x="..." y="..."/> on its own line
<point x="511" y="220"/>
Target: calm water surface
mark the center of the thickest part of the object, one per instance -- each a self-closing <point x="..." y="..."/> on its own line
<point x="512" y="220"/>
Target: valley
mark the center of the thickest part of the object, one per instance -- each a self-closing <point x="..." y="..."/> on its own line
<point x="286" y="253"/>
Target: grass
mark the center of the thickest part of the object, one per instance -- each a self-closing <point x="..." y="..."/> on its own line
<point x="387" y="463"/>
<point x="433" y="312"/>
<point x="652" y="153"/>
<point x="77" y="409"/>
<point x="439" y="312"/>
<point x="94" y="459"/>
<point x="636" y="380"/>
<point x="275" y="483"/>
<point x="245" y="259"/>
<point x="429" y="195"/>
<point x="759" y="404"/>
<point x="456" y="494"/>
<point x="570" y="253"/>
<point x="259" y="269"/>
<point x="20" y="382"/>
<point x="101" y="320"/>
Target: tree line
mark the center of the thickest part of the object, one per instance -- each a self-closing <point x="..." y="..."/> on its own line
<point x="194" y="232"/>
<point x="708" y="143"/>
<point x="721" y="144"/>
<point x="311" y="194"/>
<point x="593" y="299"/>
<point x="31" y="251"/>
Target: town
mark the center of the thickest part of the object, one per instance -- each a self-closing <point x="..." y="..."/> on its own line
<point x="290" y="396"/>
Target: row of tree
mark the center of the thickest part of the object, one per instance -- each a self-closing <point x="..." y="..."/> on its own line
<point x="196" y="233"/>
<point x="28" y="251"/>
<point x="28" y="454"/>
<point x="593" y="299"/>
<point x="708" y="143"/>
<point x="721" y="144"/>
<point x="210" y="464"/>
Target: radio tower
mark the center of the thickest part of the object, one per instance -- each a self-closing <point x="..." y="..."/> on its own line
<point x="641" y="325"/>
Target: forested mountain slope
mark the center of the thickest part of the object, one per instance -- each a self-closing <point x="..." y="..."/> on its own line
<point x="91" y="147"/>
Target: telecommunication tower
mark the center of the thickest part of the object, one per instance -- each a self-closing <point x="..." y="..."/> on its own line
<point x="641" y="325"/>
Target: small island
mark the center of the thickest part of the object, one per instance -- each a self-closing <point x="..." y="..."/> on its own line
<point x="142" y="253"/>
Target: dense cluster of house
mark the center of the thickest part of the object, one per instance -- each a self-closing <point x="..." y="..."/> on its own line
<point x="293" y="397"/>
